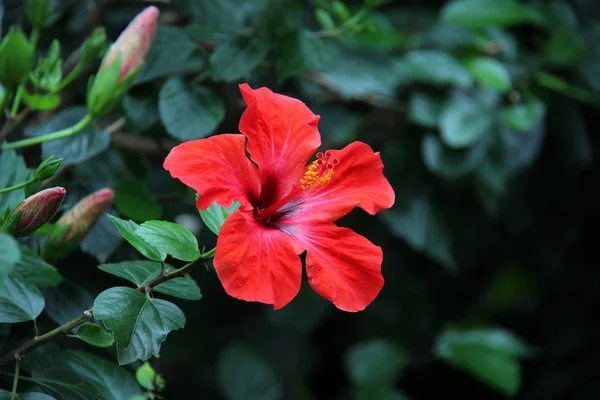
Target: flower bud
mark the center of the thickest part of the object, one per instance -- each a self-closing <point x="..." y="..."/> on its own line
<point x="122" y="62"/>
<point x="76" y="223"/>
<point x="47" y="168"/>
<point x="37" y="12"/>
<point x="35" y="211"/>
<point x="93" y="47"/>
<point x="16" y="59"/>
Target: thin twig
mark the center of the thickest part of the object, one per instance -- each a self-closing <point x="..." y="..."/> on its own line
<point x="64" y="329"/>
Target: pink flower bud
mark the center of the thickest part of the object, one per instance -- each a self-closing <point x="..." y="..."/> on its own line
<point x="84" y="215"/>
<point x="134" y="42"/>
<point x="38" y="209"/>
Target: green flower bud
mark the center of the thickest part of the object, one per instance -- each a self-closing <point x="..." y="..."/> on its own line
<point x="93" y="47"/>
<point x="37" y="12"/>
<point x="16" y="59"/>
<point x="47" y="168"/>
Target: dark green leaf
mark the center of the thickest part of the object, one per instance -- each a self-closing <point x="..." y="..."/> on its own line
<point x="141" y="272"/>
<point x="170" y="238"/>
<point x="136" y="200"/>
<point x="19" y="301"/>
<point x="236" y="58"/>
<point x="483" y="13"/>
<point x="103" y="240"/>
<point x="11" y="255"/>
<point x="189" y="112"/>
<point x="36" y="271"/>
<point x="424" y="228"/>
<point x="4" y="395"/>
<point x="464" y="120"/>
<point x="451" y="163"/>
<point x="215" y="215"/>
<point x="127" y="230"/>
<point x="14" y="172"/>
<point x="488" y="354"/>
<point x="298" y="51"/>
<point x="141" y="109"/>
<point x="66" y="301"/>
<point x="525" y="116"/>
<point x="172" y="52"/>
<point x="139" y="323"/>
<point x="379" y="393"/>
<point x="375" y="363"/>
<point x="244" y="376"/>
<point x="424" y="110"/>
<point x="490" y="72"/>
<point x="95" y="335"/>
<point x="74" y="149"/>
<point x="434" y="67"/>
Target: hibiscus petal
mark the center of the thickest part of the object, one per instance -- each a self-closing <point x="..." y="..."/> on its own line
<point x="357" y="181"/>
<point x="342" y="266"/>
<point x="255" y="263"/>
<point x="282" y="135"/>
<point x="217" y="168"/>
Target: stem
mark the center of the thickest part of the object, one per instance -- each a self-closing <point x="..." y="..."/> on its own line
<point x="19" y="186"/>
<point x="3" y="99"/>
<point x="16" y="378"/>
<point x="11" y="123"/>
<point x="555" y="83"/>
<point x="73" y="130"/>
<point x="87" y="314"/>
<point x="35" y="35"/>
<point x="68" y="79"/>
<point x="16" y="102"/>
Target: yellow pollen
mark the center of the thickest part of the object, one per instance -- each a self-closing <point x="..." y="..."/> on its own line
<point x="316" y="175"/>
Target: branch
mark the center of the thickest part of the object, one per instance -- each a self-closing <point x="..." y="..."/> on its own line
<point x="37" y="341"/>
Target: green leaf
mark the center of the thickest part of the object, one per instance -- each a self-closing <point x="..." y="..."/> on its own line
<point x="244" y="376"/>
<point x="435" y="67"/>
<point x="141" y="272"/>
<point x="14" y="172"/>
<point x="215" y="215"/>
<point x="139" y="323"/>
<point x="127" y="230"/>
<point x="95" y="335"/>
<point x="19" y="301"/>
<point x="170" y="238"/>
<point x="489" y="72"/>
<point x="464" y="120"/>
<point x="11" y="255"/>
<point x="451" y="163"/>
<point x="4" y="395"/>
<point x="66" y="301"/>
<point x="74" y="149"/>
<point x="113" y="382"/>
<point x="64" y="384"/>
<point x="172" y="52"/>
<point x="36" y="271"/>
<point x="103" y="240"/>
<point x="424" y="110"/>
<point x="524" y="117"/>
<point x="423" y="226"/>
<point x="379" y="393"/>
<point x="298" y="51"/>
<point x="486" y="353"/>
<point x="41" y="102"/>
<point x="376" y="362"/>
<point x="483" y="13"/>
<point x="136" y="200"/>
<point x="141" y="110"/>
<point x="236" y="58"/>
<point x="147" y="378"/>
<point x="189" y="112"/>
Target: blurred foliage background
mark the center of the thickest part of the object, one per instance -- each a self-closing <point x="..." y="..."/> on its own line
<point x="483" y="111"/>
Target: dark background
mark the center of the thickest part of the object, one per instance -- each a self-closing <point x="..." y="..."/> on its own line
<point x="498" y="233"/>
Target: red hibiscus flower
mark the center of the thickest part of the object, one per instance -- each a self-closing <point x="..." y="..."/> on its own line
<point x="287" y="207"/>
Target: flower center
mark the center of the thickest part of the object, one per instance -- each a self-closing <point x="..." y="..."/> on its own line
<point x="317" y="174"/>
